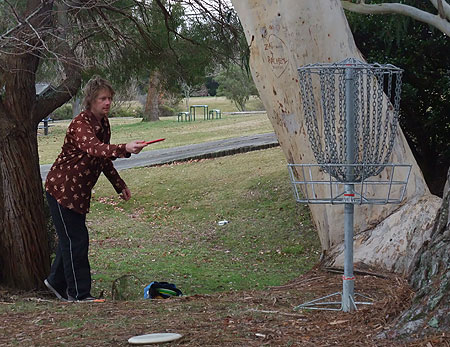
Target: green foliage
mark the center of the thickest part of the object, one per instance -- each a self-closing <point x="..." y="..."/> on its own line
<point x="63" y="112"/>
<point x="166" y="111"/>
<point x="237" y="85"/>
<point x="129" y="39"/>
<point x="211" y="85"/>
<point x="423" y="53"/>
<point x="127" y="111"/>
<point x="162" y="36"/>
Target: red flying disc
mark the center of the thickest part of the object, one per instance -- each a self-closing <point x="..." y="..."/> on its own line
<point x="153" y="141"/>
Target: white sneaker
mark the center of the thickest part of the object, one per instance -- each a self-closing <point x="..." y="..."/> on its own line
<point x="54" y="291"/>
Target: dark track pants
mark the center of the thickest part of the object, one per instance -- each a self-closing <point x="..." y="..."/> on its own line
<point x="70" y="269"/>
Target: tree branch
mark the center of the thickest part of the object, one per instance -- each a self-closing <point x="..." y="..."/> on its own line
<point x="168" y="27"/>
<point x="21" y="22"/>
<point x="13" y="10"/>
<point x="55" y="97"/>
<point x="138" y="26"/>
<point x="443" y="8"/>
<point x="395" y="8"/>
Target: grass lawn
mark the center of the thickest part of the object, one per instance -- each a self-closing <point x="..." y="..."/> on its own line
<point x="169" y="230"/>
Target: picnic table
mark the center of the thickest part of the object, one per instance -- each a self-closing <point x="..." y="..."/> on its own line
<point x="45" y="125"/>
<point x="194" y="107"/>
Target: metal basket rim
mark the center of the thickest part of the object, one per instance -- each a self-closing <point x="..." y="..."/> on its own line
<point x="349" y="62"/>
<point x="332" y="198"/>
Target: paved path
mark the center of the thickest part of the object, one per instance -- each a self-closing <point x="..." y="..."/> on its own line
<point x="211" y="149"/>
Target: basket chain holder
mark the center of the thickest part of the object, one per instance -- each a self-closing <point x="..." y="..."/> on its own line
<point x="351" y="115"/>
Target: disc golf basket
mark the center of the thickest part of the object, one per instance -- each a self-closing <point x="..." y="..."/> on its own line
<point x="351" y="115"/>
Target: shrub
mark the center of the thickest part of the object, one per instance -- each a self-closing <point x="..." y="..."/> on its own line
<point x="237" y="85"/>
<point x="166" y="111"/>
<point x="63" y="112"/>
<point x="135" y="112"/>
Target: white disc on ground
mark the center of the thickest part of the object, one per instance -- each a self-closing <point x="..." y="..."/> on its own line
<point x="153" y="338"/>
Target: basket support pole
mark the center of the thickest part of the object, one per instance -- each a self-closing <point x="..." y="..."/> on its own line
<point x="348" y="280"/>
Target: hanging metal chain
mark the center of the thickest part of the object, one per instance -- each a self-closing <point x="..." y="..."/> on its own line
<point x="309" y="109"/>
<point x="323" y="92"/>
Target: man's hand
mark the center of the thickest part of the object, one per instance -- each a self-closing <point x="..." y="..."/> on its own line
<point x="126" y="194"/>
<point x="135" y="146"/>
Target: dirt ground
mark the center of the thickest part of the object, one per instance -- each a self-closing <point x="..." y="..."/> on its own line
<point x="250" y="318"/>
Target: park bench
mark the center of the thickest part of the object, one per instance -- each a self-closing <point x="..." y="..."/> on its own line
<point x="214" y="112"/>
<point x="186" y="115"/>
<point x="194" y="107"/>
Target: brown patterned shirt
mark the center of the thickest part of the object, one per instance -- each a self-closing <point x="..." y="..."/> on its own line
<point x="86" y="153"/>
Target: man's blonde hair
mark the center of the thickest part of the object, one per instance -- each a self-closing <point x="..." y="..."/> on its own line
<point x="93" y="88"/>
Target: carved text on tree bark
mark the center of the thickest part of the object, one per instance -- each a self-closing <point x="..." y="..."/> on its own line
<point x="274" y="47"/>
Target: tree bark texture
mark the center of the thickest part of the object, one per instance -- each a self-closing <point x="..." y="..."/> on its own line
<point x="24" y="253"/>
<point x="24" y="250"/>
<point x="151" y="111"/>
<point x="430" y="279"/>
<point x="284" y="35"/>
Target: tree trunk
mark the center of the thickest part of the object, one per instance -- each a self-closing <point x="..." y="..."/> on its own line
<point x="76" y="106"/>
<point x="187" y="95"/>
<point x="24" y="252"/>
<point x="187" y="89"/>
<point x="151" y="111"/>
<point x="284" y="35"/>
<point x="430" y="278"/>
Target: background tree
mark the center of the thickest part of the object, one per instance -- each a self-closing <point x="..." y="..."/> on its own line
<point x="215" y="39"/>
<point x="156" y="23"/>
<point x="423" y="54"/>
<point x="236" y="84"/>
<point x="153" y="100"/>
<point x="193" y="40"/>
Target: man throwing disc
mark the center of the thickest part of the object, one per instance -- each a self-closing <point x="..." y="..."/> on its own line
<point x="86" y="153"/>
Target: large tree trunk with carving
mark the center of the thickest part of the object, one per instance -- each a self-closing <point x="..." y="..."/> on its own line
<point x="284" y="35"/>
<point x="24" y="251"/>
